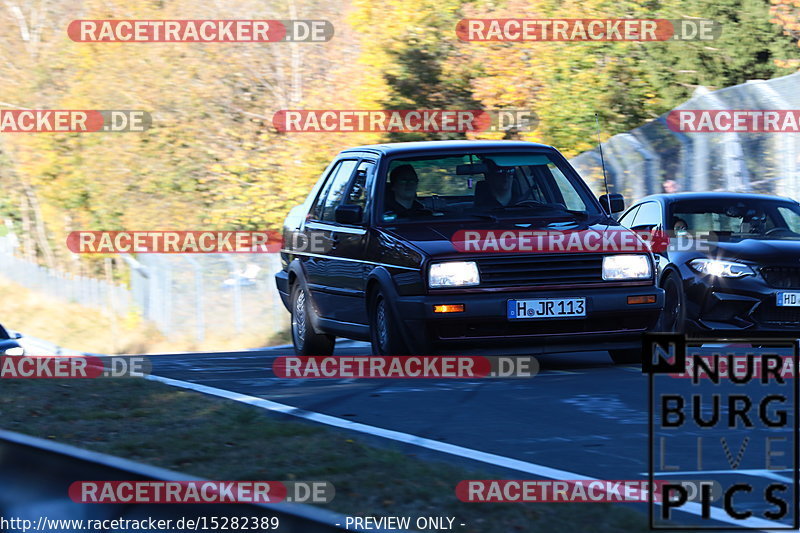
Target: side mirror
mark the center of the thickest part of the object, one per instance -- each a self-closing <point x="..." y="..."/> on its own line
<point x="644" y="228"/>
<point x="349" y="214"/>
<point x="18" y="335"/>
<point x="612" y="203"/>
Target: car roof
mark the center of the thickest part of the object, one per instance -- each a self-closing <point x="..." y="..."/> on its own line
<point x="440" y="146"/>
<point x="667" y="198"/>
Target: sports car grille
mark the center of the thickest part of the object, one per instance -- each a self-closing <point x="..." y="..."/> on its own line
<point x="773" y="315"/>
<point x="782" y="277"/>
<point x="504" y="271"/>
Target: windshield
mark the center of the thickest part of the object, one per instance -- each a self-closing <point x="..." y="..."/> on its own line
<point x="492" y="186"/>
<point x="738" y="219"/>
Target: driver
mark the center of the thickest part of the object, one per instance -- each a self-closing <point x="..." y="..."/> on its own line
<point x="401" y="191"/>
<point x="680" y="226"/>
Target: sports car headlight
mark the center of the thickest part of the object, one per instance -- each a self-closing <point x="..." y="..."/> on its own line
<point x="723" y="269"/>
<point x="454" y="274"/>
<point x="15" y="350"/>
<point x="628" y="266"/>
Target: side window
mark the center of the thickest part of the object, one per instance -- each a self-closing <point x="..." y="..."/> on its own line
<point x="791" y="218"/>
<point x="337" y="178"/>
<point x="627" y="219"/>
<point x="357" y="194"/>
<point x="336" y="192"/>
<point x="649" y="214"/>
<point x="316" y="210"/>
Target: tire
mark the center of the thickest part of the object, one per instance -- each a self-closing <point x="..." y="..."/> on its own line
<point x="305" y="340"/>
<point x="673" y="317"/>
<point x="383" y="328"/>
<point x="624" y="357"/>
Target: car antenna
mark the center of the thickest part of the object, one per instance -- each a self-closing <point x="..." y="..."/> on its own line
<point x="603" y="163"/>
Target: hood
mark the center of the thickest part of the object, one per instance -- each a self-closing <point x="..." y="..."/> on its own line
<point x="435" y="238"/>
<point x="763" y="251"/>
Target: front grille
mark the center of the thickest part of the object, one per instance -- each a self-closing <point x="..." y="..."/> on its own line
<point x="782" y="277"/>
<point x="532" y="270"/>
<point x="773" y="315"/>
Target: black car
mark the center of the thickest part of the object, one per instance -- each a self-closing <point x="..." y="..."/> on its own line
<point x="9" y="344"/>
<point x="370" y="255"/>
<point x="733" y="262"/>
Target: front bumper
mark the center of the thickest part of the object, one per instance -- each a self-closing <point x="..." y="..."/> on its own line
<point x="718" y="304"/>
<point x="610" y="321"/>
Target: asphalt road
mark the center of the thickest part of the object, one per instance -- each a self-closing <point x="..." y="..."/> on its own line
<point x="580" y="413"/>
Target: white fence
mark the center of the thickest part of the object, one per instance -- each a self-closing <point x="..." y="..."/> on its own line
<point x="182" y="294"/>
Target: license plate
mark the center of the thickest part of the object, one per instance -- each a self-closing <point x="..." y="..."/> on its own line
<point x="546" y="308"/>
<point x="788" y="299"/>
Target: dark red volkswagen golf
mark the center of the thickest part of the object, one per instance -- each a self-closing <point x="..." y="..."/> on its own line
<point x="421" y="247"/>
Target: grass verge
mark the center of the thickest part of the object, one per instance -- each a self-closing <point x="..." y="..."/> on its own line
<point x="218" y="439"/>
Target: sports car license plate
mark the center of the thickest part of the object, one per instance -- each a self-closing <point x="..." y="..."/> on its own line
<point x="788" y="299"/>
<point x="546" y="308"/>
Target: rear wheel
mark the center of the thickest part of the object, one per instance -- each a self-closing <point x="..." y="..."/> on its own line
<point x="621" y="357"/>
<point x="673" y="318"/>
<point x="306" y="341"/>
<point x="384" y="331"/>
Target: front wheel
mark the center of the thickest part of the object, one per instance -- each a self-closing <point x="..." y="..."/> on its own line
<point x="673" y="318"/>
<point x="305" y="340"/>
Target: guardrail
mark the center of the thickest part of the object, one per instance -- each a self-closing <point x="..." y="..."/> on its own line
<point x="35" y="475"/>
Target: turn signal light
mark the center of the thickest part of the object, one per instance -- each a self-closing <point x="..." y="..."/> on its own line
<point x="448" y="308"/>
<point x="649" y="299"/>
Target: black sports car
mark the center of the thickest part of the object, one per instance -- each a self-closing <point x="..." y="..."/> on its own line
<point x="733" y="262"/>
<point x="9" y="344"/>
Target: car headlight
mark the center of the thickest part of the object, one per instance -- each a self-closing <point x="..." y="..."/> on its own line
<point x="454" y="274"/>
<point x="628" y="266"/>
<point x="15" y="350"/>
<point x="723" y="269"/>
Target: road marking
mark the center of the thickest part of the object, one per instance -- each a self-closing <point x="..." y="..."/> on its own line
<point x="452" y="449"/>
<point x="755" y="472"/>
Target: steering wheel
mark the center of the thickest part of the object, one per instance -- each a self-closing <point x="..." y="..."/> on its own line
<point x="778" y="231"/>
